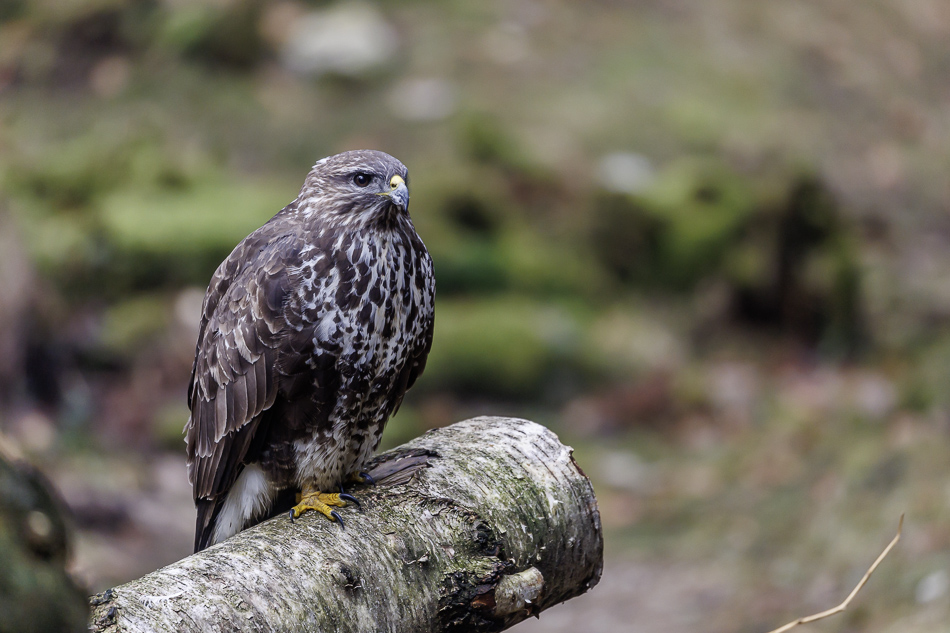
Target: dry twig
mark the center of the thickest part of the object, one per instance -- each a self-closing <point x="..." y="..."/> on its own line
<point x="844" y="605"/>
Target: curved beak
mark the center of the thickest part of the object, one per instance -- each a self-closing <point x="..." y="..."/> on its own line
<point x="398" y="192"/>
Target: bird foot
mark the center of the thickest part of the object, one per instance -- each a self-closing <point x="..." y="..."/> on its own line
<point x="321" y="502"/>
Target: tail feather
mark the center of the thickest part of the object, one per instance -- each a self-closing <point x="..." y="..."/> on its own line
<point x="208" y="510"/>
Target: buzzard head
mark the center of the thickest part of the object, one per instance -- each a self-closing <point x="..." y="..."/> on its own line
<point x="360" y="187"/>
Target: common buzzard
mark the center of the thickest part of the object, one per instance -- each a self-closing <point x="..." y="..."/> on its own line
<point x="311" y="332"/>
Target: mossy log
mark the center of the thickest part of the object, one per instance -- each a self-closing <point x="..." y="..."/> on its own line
<point x="473" y="527"/>
<point x="36" y="593"/>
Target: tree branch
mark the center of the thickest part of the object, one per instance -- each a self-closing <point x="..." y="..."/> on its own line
<point x="472" y="527"/>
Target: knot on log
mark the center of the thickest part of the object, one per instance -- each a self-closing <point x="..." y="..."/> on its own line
<point x="472" y="527"/>
<point x="518" y="592"/>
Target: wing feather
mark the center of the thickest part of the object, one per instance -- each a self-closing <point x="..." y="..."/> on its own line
<point x="220" y="424"/>
<point x="250" y="392"/>
<point x="239" y="391"/>
<point x="261" y="376"/>
<point x="234" y="378"/>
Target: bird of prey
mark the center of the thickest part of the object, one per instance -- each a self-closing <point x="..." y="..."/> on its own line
<point x="311" y="332"/>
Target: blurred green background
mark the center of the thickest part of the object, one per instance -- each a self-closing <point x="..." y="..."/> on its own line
<point x="708" y="243"/>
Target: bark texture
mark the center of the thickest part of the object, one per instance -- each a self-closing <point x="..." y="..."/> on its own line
<point x="473" y="527"/>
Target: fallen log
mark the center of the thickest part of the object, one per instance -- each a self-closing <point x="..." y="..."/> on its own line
<point x="472" y="527"/>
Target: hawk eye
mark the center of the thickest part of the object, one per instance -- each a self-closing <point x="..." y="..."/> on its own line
<point x="362" y="180"/>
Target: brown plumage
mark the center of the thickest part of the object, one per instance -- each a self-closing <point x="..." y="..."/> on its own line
<point x="311" y="332"/>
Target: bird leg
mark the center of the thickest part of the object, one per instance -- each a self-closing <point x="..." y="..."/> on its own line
<point x="321" y="502"/>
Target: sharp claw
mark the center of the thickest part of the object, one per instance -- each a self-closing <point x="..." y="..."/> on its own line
<point x="352" y="499"/>
<point x="291" y="514"/>
<point x="367" y="477"/>
<point x="336" y="515"/>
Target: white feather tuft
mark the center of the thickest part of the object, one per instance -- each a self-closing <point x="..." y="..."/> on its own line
<point x="250" y="495"/>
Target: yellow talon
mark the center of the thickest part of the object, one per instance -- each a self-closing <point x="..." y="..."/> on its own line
<point x="320" y="502"/>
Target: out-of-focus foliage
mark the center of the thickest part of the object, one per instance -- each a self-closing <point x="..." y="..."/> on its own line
<point x="506" y="346"/>
<point x="145" y="139"/>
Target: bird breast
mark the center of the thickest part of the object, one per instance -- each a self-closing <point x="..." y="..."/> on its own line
<point x="367" y="301"/>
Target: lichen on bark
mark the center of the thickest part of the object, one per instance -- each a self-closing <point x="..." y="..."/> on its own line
<point x="455" y="514"/>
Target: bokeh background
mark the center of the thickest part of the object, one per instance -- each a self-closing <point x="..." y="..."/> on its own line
<point x="706" y="242"/>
